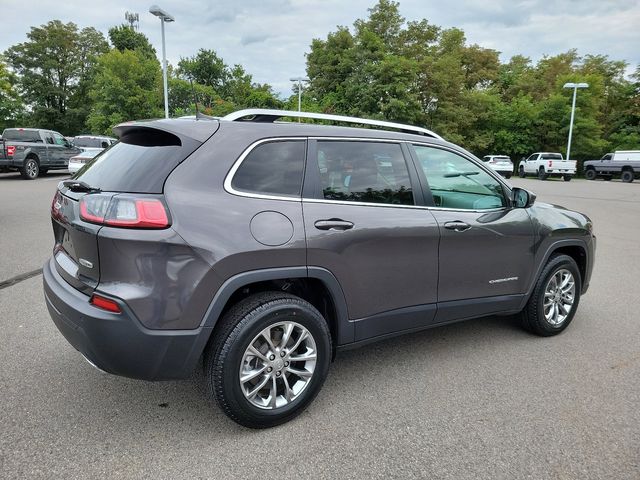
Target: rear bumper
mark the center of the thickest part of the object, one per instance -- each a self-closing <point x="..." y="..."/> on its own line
<point x="118" y="343"/>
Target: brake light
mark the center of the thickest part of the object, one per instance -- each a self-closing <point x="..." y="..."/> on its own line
<point x="124" y="211"/>
<point x="550" y="163"/>
<point x="56" y="204"/>
<point x="11" y="150"/>
<point x="105" y="303"/>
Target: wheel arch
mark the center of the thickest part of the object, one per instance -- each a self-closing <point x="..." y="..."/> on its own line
<point x="316" y="285"/>
<point x="576" y="249"/>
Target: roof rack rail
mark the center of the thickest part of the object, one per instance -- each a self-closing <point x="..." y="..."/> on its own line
<point x="268" y="116"/>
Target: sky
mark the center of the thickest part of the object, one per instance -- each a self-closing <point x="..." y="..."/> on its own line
<point x="270" y="37"/>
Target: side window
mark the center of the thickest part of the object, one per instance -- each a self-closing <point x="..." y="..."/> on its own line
<point x="49" y="139"/>
<point x="457" y="182"/>
<point x="273" y="168"/>
<point x="58" y="139"/>
<point x="373" y="172"/>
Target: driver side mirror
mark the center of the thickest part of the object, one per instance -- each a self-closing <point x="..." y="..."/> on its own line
<point x="521" y="198"/>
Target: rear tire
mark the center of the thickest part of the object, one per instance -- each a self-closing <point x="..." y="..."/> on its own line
<point x="521" y="173"/>
<point x="590" y="174"/>
<point x="539" y="316"/>
<point x="627" y="176"/>
<point x="30" y="170"/>
<point x="542" y="175"/>
<point x="507" y="175"/>
<point x="240" y="333"/>
<point x="566" y="178"/>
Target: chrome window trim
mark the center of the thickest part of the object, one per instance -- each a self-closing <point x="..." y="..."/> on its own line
<point x="236" y="165"/>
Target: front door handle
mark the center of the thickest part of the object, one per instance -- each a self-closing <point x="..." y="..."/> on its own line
<point x="333" y="224"/>
<point x="458" y="226"/>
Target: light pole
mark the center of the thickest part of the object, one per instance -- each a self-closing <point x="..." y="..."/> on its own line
<point x="164" y="17"/>
<point x="299" y="80"/>
<point x="575" y="87"/>
<point x="432" y="106"/>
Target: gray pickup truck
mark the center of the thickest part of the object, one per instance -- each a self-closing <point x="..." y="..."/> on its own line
<point x="33" y="151"/>
<point x="625" y="163"/>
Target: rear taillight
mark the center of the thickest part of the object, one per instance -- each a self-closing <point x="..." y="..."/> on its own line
<point x="550" y="163"/>
<point x="124" y="211"/>
<point x="56" y="205"/>
<point x="105" y="303"/>
<point x="11" y="150"/>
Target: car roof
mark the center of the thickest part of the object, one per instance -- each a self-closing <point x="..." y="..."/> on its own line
<point x="201" y="130"/>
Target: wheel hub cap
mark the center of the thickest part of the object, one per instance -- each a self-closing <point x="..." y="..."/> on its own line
<point x="278" y="365"/>
<point x="559" y="296"/>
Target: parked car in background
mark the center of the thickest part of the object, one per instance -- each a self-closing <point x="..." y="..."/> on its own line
<point x="33" y="151"/>
<point x="256" y="248"/>
<point x="547" y="164"/>
<point x="625" y="163"/>
<point x="500" y="163"/>
<point x="93" y="141"/>
<point x="80" y="160"/>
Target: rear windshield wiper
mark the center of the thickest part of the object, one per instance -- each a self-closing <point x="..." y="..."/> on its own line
<point x="79" y="186"/>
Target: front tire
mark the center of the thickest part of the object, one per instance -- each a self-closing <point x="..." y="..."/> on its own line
<point x="268" y="359"/>
<point x="555" y="297"/>
<point x="30" y="170"/>
<point x="590" y="174"/>
<point x="507" y="175"/>
<point x="521" y="173"/>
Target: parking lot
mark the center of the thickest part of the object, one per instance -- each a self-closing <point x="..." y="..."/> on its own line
<point x="481" y="399"/>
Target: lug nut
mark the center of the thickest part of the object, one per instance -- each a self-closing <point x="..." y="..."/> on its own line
<point x="269" y="369"/>
<point x="282" y="354"/>
<point x="272" y="357"/>
<point x="278" y="373"/>
<point x="286" y="364"/>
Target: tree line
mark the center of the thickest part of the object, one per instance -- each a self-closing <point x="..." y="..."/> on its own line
<point x="74" y="80"/>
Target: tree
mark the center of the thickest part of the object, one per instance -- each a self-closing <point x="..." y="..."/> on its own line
<point x="124" y="37"/>
<point x="10" y="102"/>
<point x="51" y="67"/>
<point x="127" y="86"/>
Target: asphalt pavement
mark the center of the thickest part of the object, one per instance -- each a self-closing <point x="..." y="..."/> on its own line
<point x="475" y="400"/>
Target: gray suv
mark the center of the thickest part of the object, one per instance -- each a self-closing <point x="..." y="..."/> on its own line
<point x="259" y="247"/>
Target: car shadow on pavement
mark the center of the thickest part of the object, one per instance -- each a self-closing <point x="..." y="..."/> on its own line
<point x="184" y="406"/>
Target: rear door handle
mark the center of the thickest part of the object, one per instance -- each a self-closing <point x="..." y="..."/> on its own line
<point x="333" y="224"/>
<point x="458" y="226"/>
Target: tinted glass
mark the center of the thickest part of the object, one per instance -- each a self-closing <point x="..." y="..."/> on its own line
<point x="21" y="135"/>
<point x="373" y="172"/>
<point x="457" y="182"/>
<point x="133" y="168"/>
<point x="552" y="156"/>
<point x="272" y="168"/>
<point x="59" y="139"/>
<point x="86" y="142"/>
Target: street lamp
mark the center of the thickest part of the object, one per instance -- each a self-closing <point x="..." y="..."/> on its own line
<point x="432" y="106"/>
<point x="299" y="80"/>
<point x="164" y="17"/>
<point x="575" y="87"/>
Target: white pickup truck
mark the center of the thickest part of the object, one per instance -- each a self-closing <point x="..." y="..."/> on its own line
<point x="546" y="164"/>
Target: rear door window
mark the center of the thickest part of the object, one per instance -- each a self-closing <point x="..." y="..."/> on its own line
<point x="19" y="135"/>
<point x="371" y="172"/>
<point x="273" y="168"/>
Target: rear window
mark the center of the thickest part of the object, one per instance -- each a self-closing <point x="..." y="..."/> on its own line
<point x="87" y="142"/>
<point x="551" y="156"/>
<point x="140" y="166"/>
<point x="272" y="168"/>
<point x="18" y="135"/>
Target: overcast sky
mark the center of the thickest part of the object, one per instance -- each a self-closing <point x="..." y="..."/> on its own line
<point x="270" y="37"/>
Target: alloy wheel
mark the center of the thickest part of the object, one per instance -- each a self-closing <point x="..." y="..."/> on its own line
<point x="278" y="365"/>
<point x="559" y="295"/>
